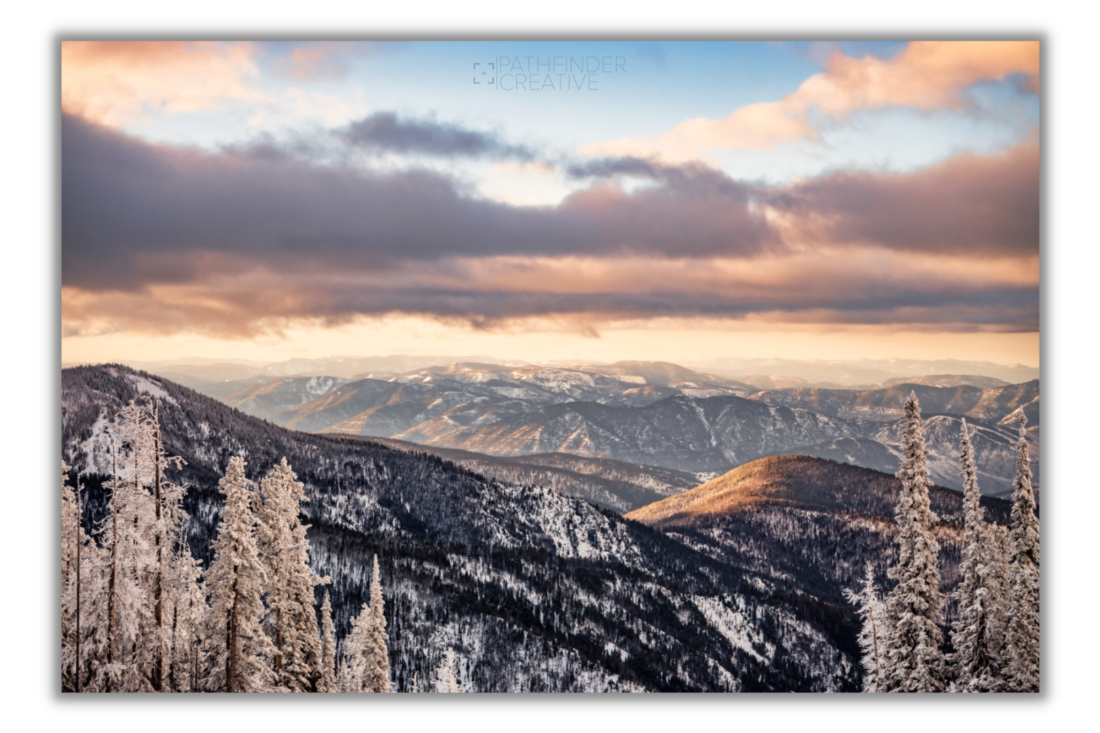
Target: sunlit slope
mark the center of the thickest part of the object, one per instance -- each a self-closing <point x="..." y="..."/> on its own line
<point x="797" y="481"/>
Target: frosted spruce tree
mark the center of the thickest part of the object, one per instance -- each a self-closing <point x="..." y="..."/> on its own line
<point x="353" y="662"/>
<point x="327" y="682"/>
<point x="186" y="613"/>
<point x="78" y="556"/>
<point x="68" y="570"/>
<point x="165" y="534"/>
<point x="127" y="648"/>
<point x="377" y="656"/>
<point x="142" y="531"/>
<point x="976" y="659"/>
<point x="914" y="659"/>
<point x="1022" y="633"/>
<point x="366" y="665"/>
<point x="445" y="679"/>
<point x="872" y="637"/>
<point x="238" y="652"/>
<point x="284" y="551"/>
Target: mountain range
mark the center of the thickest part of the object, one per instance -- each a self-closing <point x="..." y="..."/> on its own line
<point x="653" y="414"/>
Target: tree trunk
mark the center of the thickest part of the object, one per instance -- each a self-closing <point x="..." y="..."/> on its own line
<point x="232" y="643"/>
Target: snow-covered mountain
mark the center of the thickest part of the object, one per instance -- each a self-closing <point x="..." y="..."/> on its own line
<point x="864" y="371"/>
<point x="887" y="403"/>
<point x="464" y="393"/>
<point x="949" y="380"/>
<point x="609" y="484"/>
<point x="533" y="590"/>
<point x="650" y="413"/>
<point x="687" y="434"/>
<point x="272" y="398"/>
<point x="718" y="433"/>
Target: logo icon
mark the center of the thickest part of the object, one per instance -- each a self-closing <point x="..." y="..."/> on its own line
<point x="484" y="73"/>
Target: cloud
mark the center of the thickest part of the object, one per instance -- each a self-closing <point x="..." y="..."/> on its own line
<point x="135" y="212"/>
<point x="385" y="132"/>
<point x="586" y="291"/>
<point x="926" y="75"/>
<point x="115" y="82"/>
<point x="318" y="60"/>
<point x="966" y="204"/>
<point x="246" y="240"/>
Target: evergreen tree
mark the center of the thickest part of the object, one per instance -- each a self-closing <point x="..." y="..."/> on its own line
<point x="284" y="551"/>
<point x="366" y="665"/>
<point x="1022" y="633"/>
<point x="327" y="683"/>
<point x="872" y="634"/>
<point x="976" y="661"/>
<point x="238" y="652"/>
<point x="187" y="612"/>
<point x="377" y="657"/>
<point x="128" y="645"/>
<point x="445" y="679"/>
<point x="141" y="529"/>
<point x="78" y="557"/>
<point x="913" y="607"/>
<point x="354" y="663"/>
<point x="165" y="533"/>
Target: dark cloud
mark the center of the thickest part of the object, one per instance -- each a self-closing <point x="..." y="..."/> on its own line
<point x="385" y="132"/>
<point x="964" y="205"/>
<point x="134" y="213"/>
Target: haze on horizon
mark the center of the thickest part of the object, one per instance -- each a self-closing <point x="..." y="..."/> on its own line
<point x="266" y="201"/>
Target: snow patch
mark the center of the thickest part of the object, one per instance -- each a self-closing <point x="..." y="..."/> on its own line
<point x="149" y="387"/>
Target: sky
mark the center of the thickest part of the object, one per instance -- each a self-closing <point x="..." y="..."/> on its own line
<point x="550" y="200"/>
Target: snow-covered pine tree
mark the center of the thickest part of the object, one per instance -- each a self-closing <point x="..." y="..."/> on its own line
<point x="327" y="683"/>
<point x="126" y="648"/>
<point x="68" y="567"/>
<point x="78" y="557"/>
<point x="445" y="679"/>
<point x="284" y="551"/>
<point x="376" y="676"/>
<point x="140" y="528"/>
<point x="872" y="633"/>
<point x="165" y="533"/>
<point x="238" y="652"/>
<point x="354" y="664"/>
<point x="976" y="662"/>
<point x="914" y="659"/>
<point x="187" y="612"/>
<point x="1022" y="635"/>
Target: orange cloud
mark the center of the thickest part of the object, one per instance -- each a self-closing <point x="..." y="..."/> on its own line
<point x="114" y="82"/>
<point x="926" y="75"/>
<point x="819" y="286"/>
<point x="315" y="61"/>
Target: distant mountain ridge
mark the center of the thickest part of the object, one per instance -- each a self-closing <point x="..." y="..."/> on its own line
<point x="864" y="371"/>
<point x="994" y="404"/>
<point x="636" y="412"/>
